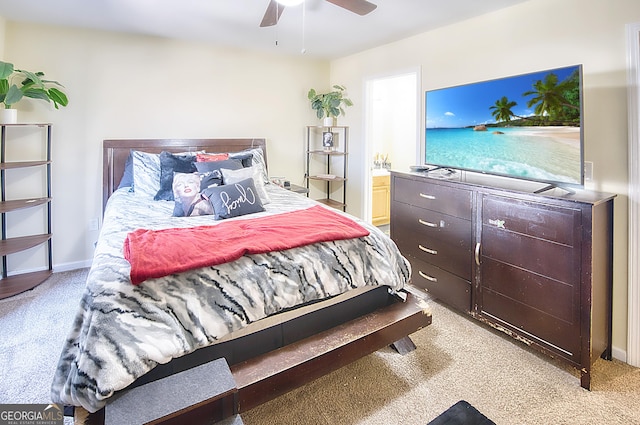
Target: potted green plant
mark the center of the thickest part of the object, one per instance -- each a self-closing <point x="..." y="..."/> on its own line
<point x="17" y="83"/>
<point x="329" y="105"/>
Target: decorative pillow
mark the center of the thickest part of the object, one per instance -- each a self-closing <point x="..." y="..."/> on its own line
<point x="234" y="200"/>
<point x="253" y="172"/>
<point x="245" y="157"/>
<point x="171" y="163"/>
<point x="207" y="157"/>
<point x="146" y="173"/>
<point x="127" y="175"/>
<point x="189" y="202"/>
<point x="210" y="179"/>
<point x="257" y="158"/>
<point x="210" y="174"/>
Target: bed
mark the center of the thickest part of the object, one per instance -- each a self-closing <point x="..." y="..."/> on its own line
<point x="133" y="327"/>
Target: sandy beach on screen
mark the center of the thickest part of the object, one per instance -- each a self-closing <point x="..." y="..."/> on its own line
<point x="568" y="135"/>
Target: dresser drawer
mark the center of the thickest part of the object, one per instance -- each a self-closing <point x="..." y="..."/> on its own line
<point x="551" y="223"/>
<point x="555" y="334"/>
<point x="433" y="237"/>
<point x="557" y="261"/>
<point x="555" y="299"/>
<point x="447" y="287"/>
<point x="436" y="197"/>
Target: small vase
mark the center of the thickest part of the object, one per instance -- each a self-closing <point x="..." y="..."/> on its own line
<point x="8" y="116"/>
<point x="329" y="121"/>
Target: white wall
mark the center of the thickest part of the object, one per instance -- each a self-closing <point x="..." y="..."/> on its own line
<point x="535" y="35"/>
<point x="2" y="27"/>
<point x="130" y="86"/>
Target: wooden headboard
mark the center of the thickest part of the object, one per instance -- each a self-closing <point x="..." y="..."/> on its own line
<point x="115" y="153"/>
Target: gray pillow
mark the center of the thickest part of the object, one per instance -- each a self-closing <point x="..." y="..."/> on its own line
<point x="234" y="199"/>
<point x="127" y="176"/>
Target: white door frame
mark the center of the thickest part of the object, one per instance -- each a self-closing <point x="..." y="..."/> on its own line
<point x="368" y="150"/>
<point x="633" y="293"/>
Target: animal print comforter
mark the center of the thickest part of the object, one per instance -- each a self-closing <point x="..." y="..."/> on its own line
<point x="122" y="331"/>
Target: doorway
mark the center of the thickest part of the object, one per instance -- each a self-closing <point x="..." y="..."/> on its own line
<point x="392" y="132"/>
<point x="633" y="294"/>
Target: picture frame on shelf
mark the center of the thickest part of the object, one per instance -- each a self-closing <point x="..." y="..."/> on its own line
<point x="327" y="140"/>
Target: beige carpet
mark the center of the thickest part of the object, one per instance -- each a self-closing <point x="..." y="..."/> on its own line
<point x="459" y="359"/>
<point x="456" y="359"/>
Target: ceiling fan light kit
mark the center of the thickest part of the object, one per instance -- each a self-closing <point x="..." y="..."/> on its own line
<point x="275" y="8"/>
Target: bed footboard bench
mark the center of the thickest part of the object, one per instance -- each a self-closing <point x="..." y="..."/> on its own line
<point x="267" y="376"/>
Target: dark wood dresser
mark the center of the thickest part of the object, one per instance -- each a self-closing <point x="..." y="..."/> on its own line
<point x="535" y="266"/>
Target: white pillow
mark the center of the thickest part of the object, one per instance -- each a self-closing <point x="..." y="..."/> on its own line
<point x="254" y="172"/>
<point x="257" y="160"/>
<point x="146" y="174"/>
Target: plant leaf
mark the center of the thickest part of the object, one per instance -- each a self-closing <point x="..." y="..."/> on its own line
<point x="52" y="82"/>
<point x="36" y="93"/>
<point x="6" y="69"/>
<point x="13" y="95"/>
<point x="31" y="79"/>
<point x="58" y="97"/>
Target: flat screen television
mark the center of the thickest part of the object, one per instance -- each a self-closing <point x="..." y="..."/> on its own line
<point x="526" y="126"/>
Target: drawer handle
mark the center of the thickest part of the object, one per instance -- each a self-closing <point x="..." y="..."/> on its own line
<point x="426" y="276"/>
<point x="428" y="250"/>
<point x="423" y="195"/>
<point x="477" y="253"/>
<point x="427" y="223"/>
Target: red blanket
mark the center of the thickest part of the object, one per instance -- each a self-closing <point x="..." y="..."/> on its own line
<point x="157" y="253"/>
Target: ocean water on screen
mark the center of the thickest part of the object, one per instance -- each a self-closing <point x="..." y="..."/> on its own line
<point x="538" y="153"/>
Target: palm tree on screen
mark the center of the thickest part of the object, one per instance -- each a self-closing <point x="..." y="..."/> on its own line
<point x="549" y="97"/>
<point x="501" y="110"/>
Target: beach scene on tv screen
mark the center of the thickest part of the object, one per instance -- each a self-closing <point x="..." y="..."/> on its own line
<point x="525" y="126"/>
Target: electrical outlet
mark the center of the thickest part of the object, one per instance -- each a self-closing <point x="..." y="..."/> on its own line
<point x="94" y="224"/>
<point x="588" y="171"/>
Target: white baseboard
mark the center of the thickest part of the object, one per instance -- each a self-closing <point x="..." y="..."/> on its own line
<point x="71" y="266"/>
<point x="56" y="268"/>
<point x="619" y="354"/>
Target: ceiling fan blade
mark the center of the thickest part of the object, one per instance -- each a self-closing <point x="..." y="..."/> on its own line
<point x="361" y="7"/>
<point x="272" y="15"/>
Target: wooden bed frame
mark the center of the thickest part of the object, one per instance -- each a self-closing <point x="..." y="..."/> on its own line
<point x="287" y="355"/>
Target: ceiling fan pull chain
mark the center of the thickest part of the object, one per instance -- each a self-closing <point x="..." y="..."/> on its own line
<point x="276" y="26"/>
<point x="304" y="16"/>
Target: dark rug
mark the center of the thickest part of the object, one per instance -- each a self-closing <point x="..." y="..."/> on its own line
<point x="461" y="413"/>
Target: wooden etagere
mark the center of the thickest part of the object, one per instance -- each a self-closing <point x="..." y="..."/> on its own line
<point x="20" y="282"/>
<point x="328" y="175"/>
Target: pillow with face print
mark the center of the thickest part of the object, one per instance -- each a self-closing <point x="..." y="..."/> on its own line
<point x="171" y="163"/>
<point x="189" y="201"/>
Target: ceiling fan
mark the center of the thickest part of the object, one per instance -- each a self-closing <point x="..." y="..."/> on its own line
<point x="275" y="8"/>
